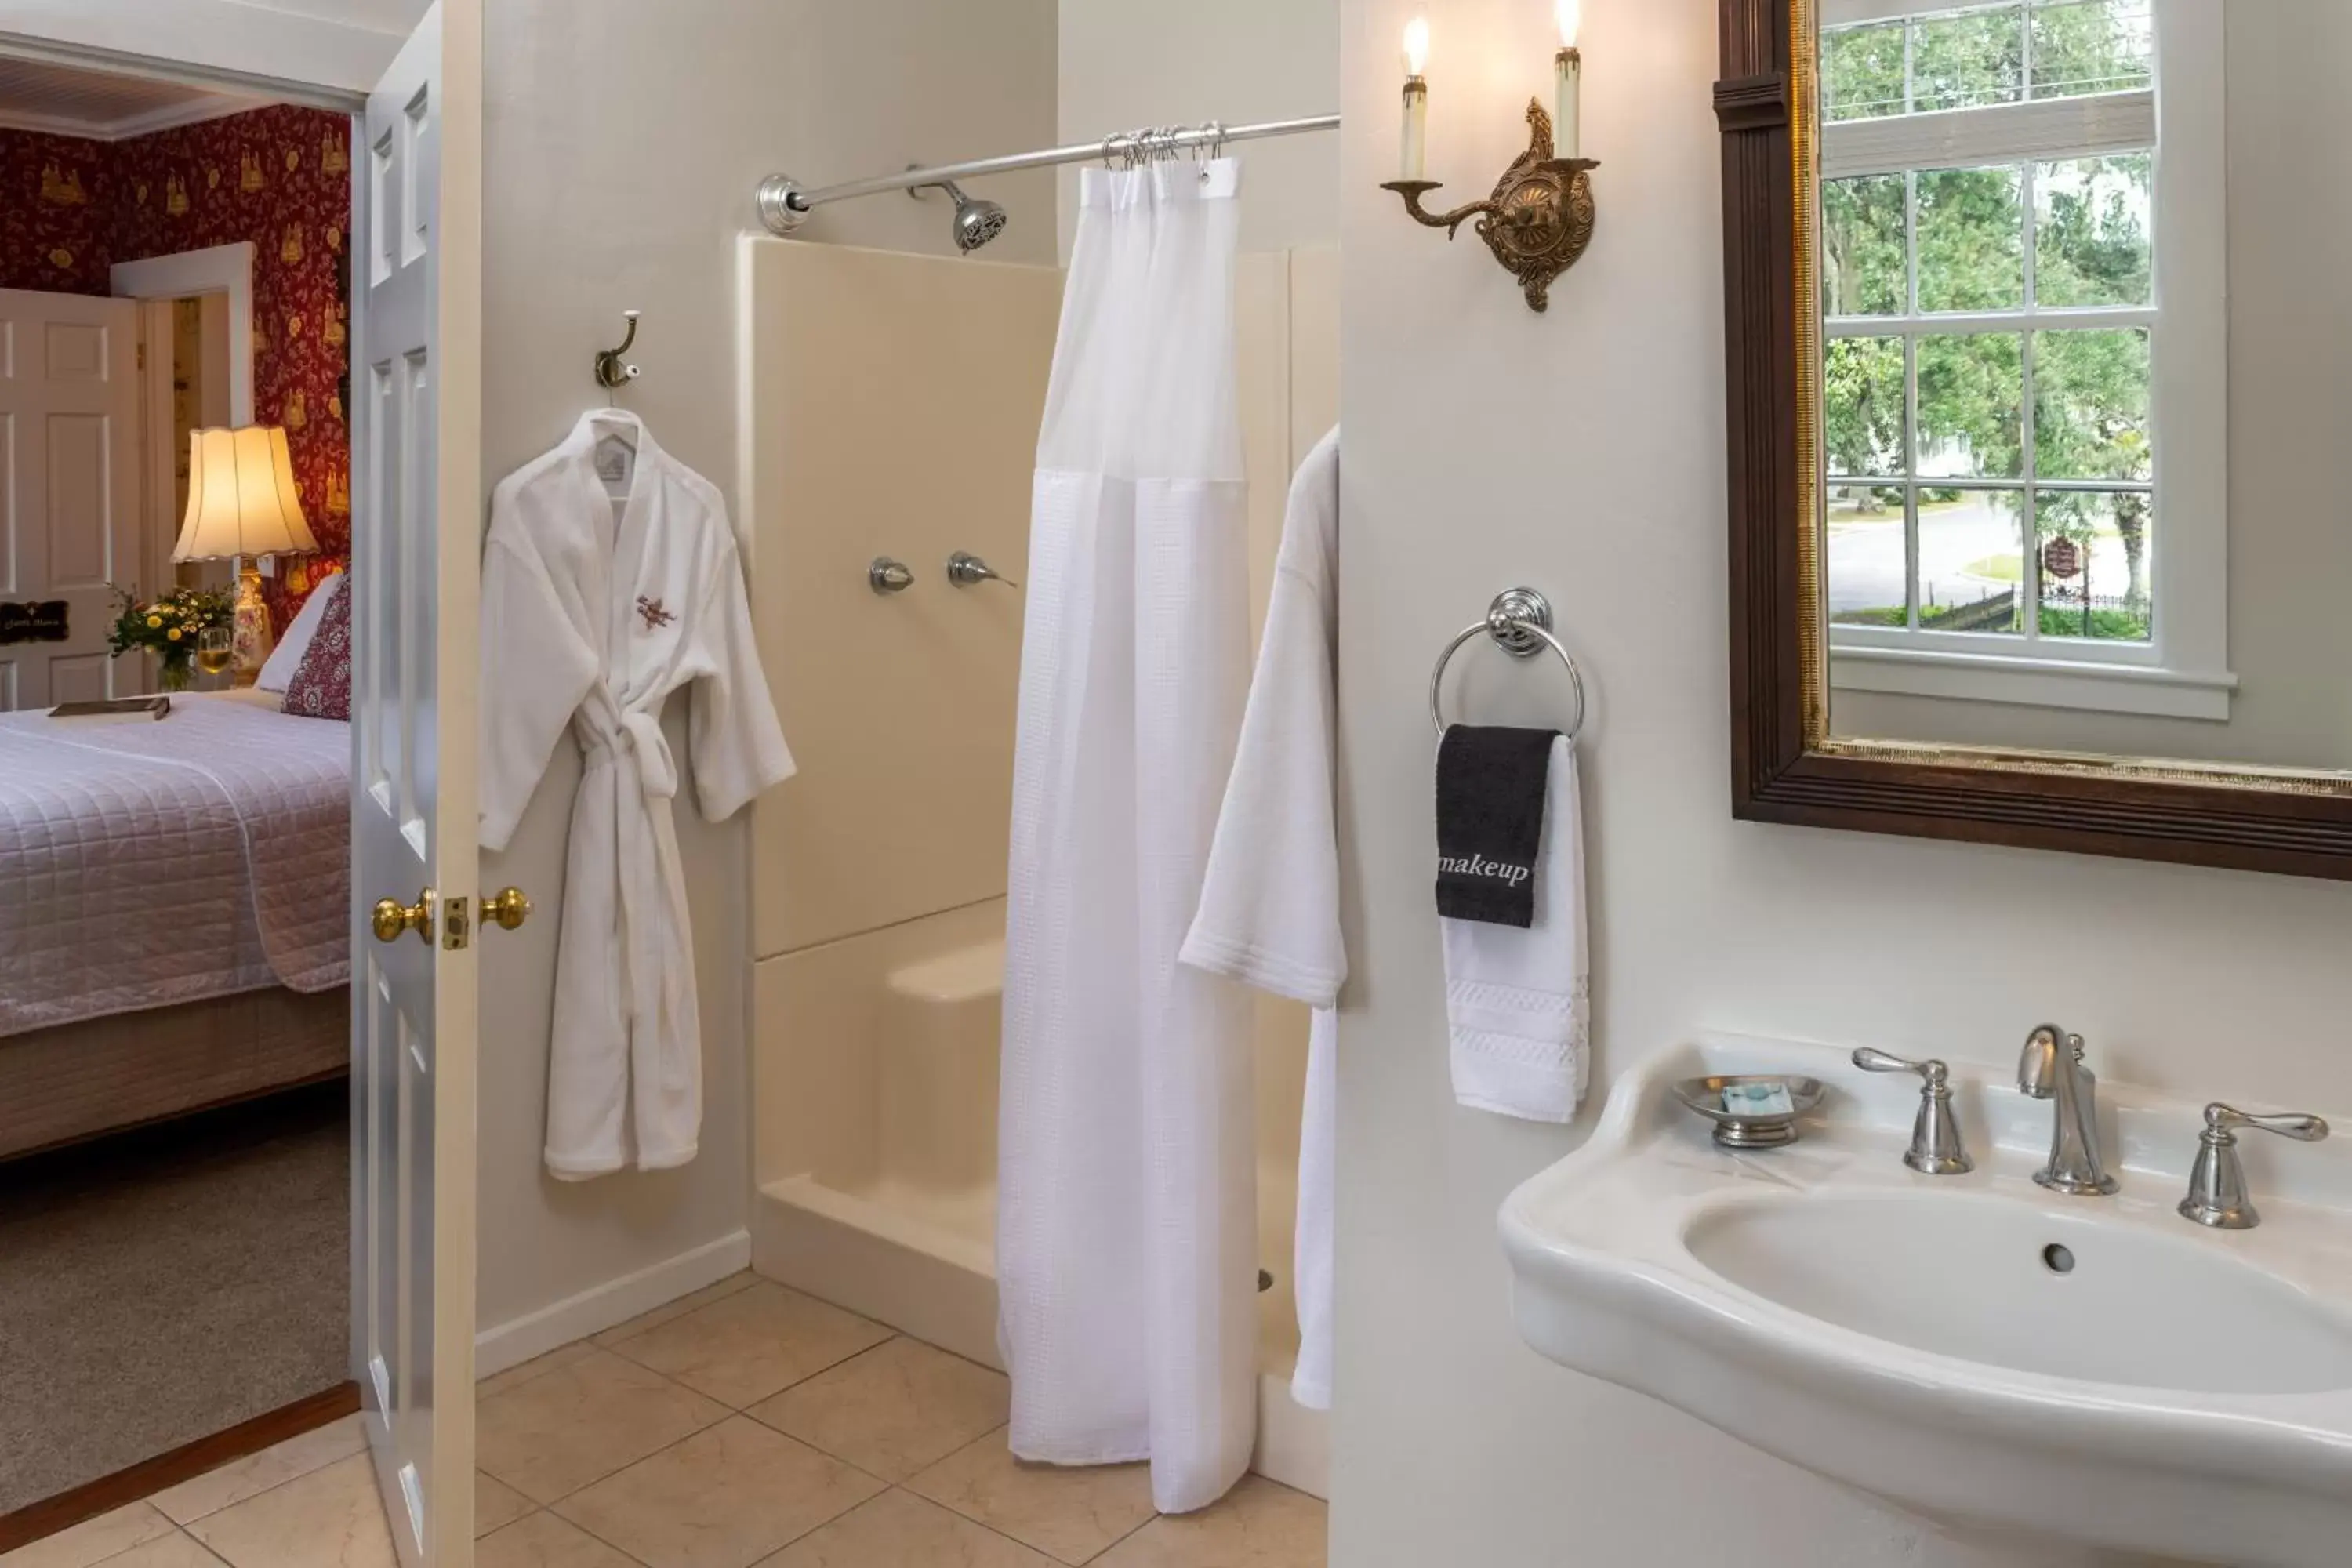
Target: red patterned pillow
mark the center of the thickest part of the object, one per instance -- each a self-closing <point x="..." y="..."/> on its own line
<point x="321" y="687"/>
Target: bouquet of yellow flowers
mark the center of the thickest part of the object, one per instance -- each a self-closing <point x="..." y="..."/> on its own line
<point x="168" y="628"/>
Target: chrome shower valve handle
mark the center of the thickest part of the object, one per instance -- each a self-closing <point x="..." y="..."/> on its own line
<point x="1935" y="1148"/>
<point x="966" y="570"/>
<point x="2217" y="1181"/>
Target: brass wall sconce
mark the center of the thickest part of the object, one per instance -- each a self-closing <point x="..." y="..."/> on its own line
<point x="1539" y="218"/>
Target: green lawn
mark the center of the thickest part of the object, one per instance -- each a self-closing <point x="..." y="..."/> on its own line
<point x="1997" y="569"/>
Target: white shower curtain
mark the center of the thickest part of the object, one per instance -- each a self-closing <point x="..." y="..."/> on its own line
<point x="1126" y="1211"/>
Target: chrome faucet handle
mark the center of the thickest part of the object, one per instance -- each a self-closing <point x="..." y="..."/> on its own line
<point x="965" y="569"/>
<point x="885" y="575"/>
<point x="2217" y="1182"/>
<point x="1936" y="1149"/>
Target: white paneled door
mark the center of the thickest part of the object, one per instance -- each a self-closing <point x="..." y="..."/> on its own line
<point x="415" y="582"/>
<point x="69" y="505"/>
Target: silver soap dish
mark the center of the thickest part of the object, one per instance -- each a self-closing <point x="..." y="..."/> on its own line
<point x="1749" y="1128"/>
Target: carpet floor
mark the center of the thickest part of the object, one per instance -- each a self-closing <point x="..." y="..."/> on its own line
<point x="164" y="1284"/>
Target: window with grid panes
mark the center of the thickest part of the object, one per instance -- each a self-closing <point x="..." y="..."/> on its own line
<point x="1990" y="199"/>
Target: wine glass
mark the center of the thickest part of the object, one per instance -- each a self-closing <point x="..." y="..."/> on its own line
<point x="215" y="649"/>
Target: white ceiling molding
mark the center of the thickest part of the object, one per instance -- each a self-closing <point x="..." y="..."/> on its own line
<point x="393" y="19"/>
<point x="326" y="53"/>
<point x="100" y="106"/>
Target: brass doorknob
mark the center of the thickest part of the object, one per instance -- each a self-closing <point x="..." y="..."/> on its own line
<point x="506" y="907"/>
<point x="392" y="918"/>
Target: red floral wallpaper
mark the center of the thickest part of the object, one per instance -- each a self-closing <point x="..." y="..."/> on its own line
<point x="56" y="203"/>
<point x="279" y="177"/>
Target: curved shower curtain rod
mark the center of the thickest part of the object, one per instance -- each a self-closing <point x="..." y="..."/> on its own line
<point x="785" y="205"/>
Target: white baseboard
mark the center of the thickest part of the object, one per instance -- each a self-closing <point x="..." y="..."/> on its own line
<point x="1293" y="1443"/>
<point x="607" y="1305"/>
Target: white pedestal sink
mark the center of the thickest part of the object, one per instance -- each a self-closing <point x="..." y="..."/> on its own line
<point x="2093" y="1370"/>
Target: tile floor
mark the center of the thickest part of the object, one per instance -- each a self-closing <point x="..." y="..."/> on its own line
<point x="744" y="1427"/>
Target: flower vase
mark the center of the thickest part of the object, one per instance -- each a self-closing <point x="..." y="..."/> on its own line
<point x="176" y="673"/>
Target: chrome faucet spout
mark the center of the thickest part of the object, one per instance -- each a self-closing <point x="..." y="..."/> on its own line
<point x="2037" y="1069"/>
<point x="2052" y="1068"/>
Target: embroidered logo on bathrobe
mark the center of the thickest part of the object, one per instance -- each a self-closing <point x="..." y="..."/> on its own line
<point x="653" y="612"/>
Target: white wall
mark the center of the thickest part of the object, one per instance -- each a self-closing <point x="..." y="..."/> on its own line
<point x="1582" y="451"/>
<point x="1126" y="63"/>
<point x="623" y="143"/>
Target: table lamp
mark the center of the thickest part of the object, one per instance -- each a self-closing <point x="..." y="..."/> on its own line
<point x="242" y="504"/>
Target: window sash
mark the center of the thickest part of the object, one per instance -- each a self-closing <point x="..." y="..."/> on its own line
<point x="2029" y="641"/>
<point x="1960" y="323"/>
<point x="2096" y="125"/>
<point x="2007" y="127"/>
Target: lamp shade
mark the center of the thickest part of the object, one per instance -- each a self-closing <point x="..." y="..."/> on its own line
<point x="241" y="497"/>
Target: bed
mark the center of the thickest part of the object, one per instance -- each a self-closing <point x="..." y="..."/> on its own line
<point x="174" y="913"/>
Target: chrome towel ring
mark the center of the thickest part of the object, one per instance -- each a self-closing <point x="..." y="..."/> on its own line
<point x="1519" y="620"/>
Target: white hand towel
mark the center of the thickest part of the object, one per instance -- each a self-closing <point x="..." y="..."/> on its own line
<point x="1517" y="1003"/>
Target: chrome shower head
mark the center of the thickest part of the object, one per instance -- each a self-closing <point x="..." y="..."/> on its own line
<point x="976" y="222"/>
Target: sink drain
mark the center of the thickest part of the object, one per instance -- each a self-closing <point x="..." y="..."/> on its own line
<point x="2057" y="1259"/>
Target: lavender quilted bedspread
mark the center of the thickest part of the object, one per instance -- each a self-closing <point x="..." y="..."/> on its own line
<point x="153" y="863"/>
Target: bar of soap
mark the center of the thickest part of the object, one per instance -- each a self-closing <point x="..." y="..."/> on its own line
<point x="1758" y="1099"/>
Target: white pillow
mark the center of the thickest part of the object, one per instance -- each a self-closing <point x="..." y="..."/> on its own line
<point x="278" y="672"/>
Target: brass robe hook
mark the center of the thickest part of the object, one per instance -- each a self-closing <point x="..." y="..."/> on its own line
<point x="611" y="371"/>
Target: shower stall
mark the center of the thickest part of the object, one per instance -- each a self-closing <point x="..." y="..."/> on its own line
<point x="890" y="407"/>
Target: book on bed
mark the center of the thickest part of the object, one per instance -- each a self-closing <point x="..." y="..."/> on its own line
<point x="113" y="710"/>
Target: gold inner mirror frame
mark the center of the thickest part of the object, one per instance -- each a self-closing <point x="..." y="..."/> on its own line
<point x="1787" y="767"/>
<point x="1804" y="141"/>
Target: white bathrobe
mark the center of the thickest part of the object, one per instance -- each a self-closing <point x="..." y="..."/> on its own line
<point x="609" y="582"/>
<point x="1269" y="911"/>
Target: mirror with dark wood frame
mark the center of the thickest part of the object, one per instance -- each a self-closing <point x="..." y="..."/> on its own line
<point x="2034" y="368"/>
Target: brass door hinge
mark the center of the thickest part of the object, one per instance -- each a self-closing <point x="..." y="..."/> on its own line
<point x="457" y="932"/>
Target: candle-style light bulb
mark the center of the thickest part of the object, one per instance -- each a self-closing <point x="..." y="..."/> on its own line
<point x="1413" y="161"/>
<point x="1568" y="79"/>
